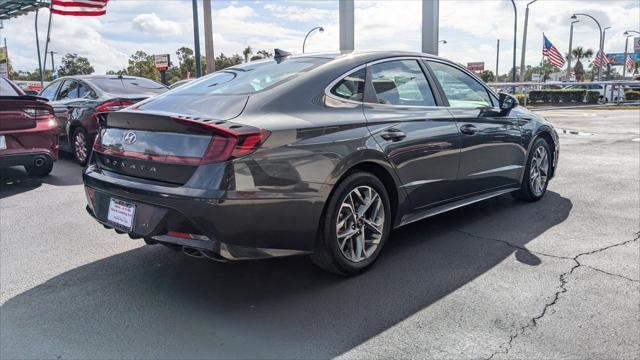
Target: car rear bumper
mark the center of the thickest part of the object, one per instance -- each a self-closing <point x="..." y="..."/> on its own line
<point x="232" y="225"/>
<point x="25" y="157"/>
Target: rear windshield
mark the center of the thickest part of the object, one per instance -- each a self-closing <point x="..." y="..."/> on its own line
<point x="250" y="78"/>
<point x="6" y="89"/>
<point x="128" y="86"/>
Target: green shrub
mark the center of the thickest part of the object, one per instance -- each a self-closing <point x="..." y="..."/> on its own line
<point x="557" y="96"/>
<point x="592" y="97"/>
<point x="632" y="95"/>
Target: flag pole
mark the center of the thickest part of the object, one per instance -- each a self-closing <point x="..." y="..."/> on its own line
<point x="38" y="48"/>
<point x="46" y="44"/>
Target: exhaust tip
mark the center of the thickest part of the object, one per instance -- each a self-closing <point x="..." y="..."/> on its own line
<point x="39" y="161"/>
<point x="193" y="252"/>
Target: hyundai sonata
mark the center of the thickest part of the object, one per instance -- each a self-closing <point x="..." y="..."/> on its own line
<point x="313" y="154"/>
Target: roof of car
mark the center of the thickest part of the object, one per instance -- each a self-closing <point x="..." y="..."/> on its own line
<point x="365" y="54"/>
<point x="96" y="77"/>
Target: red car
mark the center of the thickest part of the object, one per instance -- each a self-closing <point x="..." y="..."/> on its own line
<point x="28" y="131"/>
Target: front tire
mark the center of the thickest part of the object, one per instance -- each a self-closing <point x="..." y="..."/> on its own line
<point x="80" y="145"/>
<point x="536" y="176"/>
<point x="356" y="224"/>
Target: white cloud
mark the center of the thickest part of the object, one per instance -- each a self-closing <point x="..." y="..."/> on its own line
<point x="152" y="24"/>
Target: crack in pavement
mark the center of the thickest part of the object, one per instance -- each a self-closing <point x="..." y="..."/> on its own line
<point x="505" y="347"/>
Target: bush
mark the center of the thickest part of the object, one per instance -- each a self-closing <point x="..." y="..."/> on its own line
<point x="557" y="96"/>
<point x="592" y="97"/>
<point x="632" y="95"/>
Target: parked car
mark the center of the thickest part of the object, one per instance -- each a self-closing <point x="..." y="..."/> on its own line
<point x="180" y="83"/>
<point x="77" y="100"/>
<point x="28" y="131"/>
<point x="313" y="154"/>
<point x="603" y="97"/>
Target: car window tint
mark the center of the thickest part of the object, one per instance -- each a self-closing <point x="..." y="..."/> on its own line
<point x="6" y="89"/>
<point x="351" y="87"/>
<point x="461" y="90"/>
<point x="250" y="77"/>
<point x="85" y="92"/>
<point x="50" y="91"/>
<point x="69" y="90"/>
<point x="128" y="85"/>
<point x="401" y="82"/>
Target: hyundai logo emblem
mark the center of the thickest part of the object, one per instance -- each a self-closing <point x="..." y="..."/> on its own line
<point x="129" y="137"/>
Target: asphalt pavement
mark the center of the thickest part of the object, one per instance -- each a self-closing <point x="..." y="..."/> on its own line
<point x="559" y="278"/>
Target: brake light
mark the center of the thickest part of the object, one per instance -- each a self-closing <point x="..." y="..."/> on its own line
<point x="113" y="105"/>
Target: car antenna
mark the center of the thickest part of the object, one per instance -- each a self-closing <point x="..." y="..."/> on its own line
<point x="279" y="55"/>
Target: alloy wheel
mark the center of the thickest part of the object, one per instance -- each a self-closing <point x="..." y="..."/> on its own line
<point x="538" y="174"/>
<point x="80" y="146"/>
<point x="360" y="224"/>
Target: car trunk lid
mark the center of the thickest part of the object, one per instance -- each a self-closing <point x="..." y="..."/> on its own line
<point x="22" y="112"/>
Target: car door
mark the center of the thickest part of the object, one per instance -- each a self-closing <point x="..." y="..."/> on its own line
<point x="63" y="106"/>
<point x="492" y="154"/>
<point x="419" y="137"/>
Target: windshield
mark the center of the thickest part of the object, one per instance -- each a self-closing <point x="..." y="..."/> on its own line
<point x="250" y="78"/>
<point x="128" y="85"/>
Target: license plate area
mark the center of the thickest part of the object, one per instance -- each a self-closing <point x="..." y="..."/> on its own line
<point x="3" y="142"/>
<point x="121" y="214"/>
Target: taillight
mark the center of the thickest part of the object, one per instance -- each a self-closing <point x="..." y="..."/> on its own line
<point x="227" y="144"/>
<point x="113" y="105"/>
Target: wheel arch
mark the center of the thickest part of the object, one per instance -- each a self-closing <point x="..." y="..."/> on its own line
<point x="546" y="134"/>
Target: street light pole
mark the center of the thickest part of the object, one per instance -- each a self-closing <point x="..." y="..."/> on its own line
<point x="575" y="17"/>
<point x="196" y="38"/>
<point x="515" y="41"/>
<point x="570" y="56"/>
<point x="604" y="32"/>
<point x="497" y="58"/>
<point x="319" y="28"/>
<point x="524" y="40"/>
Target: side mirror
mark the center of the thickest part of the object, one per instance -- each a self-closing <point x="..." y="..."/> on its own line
<point x="507" y="102"/>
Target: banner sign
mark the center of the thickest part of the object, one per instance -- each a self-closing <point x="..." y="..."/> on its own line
<point x="618" y="58"/>
<point x="636" y="44"/>
<point x="475" y="66"/>
<point x="161" y="62"/>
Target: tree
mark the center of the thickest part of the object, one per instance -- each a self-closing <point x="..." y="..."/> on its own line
<point x="223" y="61"/>
<point x="141" y="64"/>
<point x="262" y="54"/>
<point x="117" y="72"/>
<point x="578" y="54"/>
<point x="72" y="64"/>
<point x="247" y="53"/>
<point x="186" y="62"/>
<point x="487" y="76"/>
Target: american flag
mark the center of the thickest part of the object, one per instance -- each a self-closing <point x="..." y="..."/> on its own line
<point x="79" y="7"/>
<point x="629" y="63"/>
<point x="601" y="60"/>
<point x="552" y="54"/>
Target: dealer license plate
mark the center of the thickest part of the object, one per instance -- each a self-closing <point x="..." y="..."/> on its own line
<point x="3" y="142"/>
<point x="121" y="214"/>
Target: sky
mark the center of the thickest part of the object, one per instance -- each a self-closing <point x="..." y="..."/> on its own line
<point x="470" y="28"/>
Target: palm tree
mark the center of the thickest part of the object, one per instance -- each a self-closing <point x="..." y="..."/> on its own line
<point x="247" y="53"/>
<point x="578" y="54"/>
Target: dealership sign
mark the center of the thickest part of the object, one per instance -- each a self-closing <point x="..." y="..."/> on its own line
<point x="475" y="66"/>
<point x="161" y="62"/>
<point x="618" y="58"/>
<point x="636" y="44"/>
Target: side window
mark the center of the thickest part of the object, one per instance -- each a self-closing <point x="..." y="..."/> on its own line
<point x="401" y="82"/>
<point x="461" y="90"/>
<point x="85" y="92"/>
<point x="69" y="90"/>
<point x="50" y="91"/>
<point x="351" y="87"/>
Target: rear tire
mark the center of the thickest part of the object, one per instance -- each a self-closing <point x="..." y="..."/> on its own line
<point x="355" y="226"/>
<point x="80" y="145"/>
<point x="536" y="175"/>
<point x="39" y="171"/>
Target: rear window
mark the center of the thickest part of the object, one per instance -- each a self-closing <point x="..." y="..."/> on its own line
<point x="128" y="85"/>
<point x="250" y="78"/>
<point x="6" y="89"/>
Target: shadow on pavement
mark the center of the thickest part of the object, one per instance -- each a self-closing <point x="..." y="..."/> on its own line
<point x="14" y="180"/>
<point x="151" y="302"/>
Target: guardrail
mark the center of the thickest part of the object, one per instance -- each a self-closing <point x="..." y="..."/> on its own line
<point x="611" y="91"/>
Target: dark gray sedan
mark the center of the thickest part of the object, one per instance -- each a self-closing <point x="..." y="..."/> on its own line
<point x="313" y="154"/>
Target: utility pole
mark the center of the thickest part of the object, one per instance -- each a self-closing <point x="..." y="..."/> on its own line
<point x="208" y="37"/>
<point x="524" y="40"/>
<point x="497" y="58"/>
<point x="515" y="41"/>
<point x="346" y="24"/>
<point x="196" y="38"/>
<point x="430" y="26"/>
<point x="53" y="66"/>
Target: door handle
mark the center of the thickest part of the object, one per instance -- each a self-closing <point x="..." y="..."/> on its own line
<point x="468" y="129"/>
<point x="393" y="134"/>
